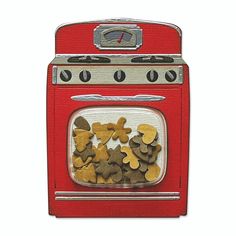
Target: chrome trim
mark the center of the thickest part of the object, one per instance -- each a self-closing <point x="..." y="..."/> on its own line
<point x="124" y="20"/>
<point x="104" y="74"/>
<point x="77" y="193"/>
<point x="98" y="97"/>
<point x="62" y="59"/>
<point x="118" y="55"/>
<point x="116" y="198"/>
<point x="181" y="73"/>
<point x="54" y="74"/>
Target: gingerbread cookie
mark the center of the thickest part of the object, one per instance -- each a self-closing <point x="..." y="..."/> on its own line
<point x="119" y="131"/>
<point x="153" y="172"/>
<point x="86" y="174"/>
<point x="102" y="132"/>
<point x="130" y="158"/>
<point x="82" y="138"/>
<point x="100" y="153"/>
<point x="81" y="123"/>
<point x="116" y="156"/>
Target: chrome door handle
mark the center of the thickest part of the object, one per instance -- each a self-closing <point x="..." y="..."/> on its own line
<point x="98" y="97"/>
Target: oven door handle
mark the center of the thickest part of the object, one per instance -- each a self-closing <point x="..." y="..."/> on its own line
<point x="98" y="97"/>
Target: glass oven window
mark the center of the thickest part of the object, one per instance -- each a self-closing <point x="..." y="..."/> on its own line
<point x="117" y="146"/>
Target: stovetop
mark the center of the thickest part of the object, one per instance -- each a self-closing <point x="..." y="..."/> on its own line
<point x="118" y="59"/>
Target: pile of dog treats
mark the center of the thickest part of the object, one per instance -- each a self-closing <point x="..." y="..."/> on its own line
<point x="133" y="162"/>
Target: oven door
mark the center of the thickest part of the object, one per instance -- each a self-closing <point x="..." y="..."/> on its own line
<point x="160" y="107"/>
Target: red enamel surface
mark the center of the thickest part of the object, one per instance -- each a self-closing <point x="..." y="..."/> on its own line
<point x="78" y="39"/>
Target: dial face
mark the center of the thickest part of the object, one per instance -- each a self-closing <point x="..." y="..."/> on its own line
<point x="118" y="37"/>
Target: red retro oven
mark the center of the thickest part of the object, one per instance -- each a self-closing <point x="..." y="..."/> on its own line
<point x="118" y="121"/>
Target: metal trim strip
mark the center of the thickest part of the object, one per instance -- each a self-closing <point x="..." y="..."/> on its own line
<point x="77" y="193"/>
<point x="98" y="97"/>
<point x="116" y="198"/>
<point x="54" y="74"/>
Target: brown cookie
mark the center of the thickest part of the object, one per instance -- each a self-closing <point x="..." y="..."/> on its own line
<point x="155" y="141"/>
<point x="81" y="123"/>
<point x="149" y="133"/>
<point x="105" y="169"/>
<point x="87" y="152"/>
<point x="82" y="138"/>
<point x="116" y="156"/>
<point x="119" y="131"/>
<point x="86" y="174"/>
<point x="136" y="141"/>
<point x="102" y="132"/>
<point x="135" y="176"/>
<point x="145" y="157"/>
<point x="143" y="166"/>
<point x="100" y="153"/>
<point x="117" y="177"/>
<point x="130" y="158"/>
<point x="153" y="172"/>
<point x="78" y="162"/>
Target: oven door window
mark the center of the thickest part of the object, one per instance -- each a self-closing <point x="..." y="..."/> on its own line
<point x="117" y="147"/>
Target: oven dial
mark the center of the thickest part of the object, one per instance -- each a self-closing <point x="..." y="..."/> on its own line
<point x="119" y="75"/>
<point x="170" y="75"/>
<point x="65" y="75"/>
<point x="85" y="76"/>
<point x="152" y="76"/>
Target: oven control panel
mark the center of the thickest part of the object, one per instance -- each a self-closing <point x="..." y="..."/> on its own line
<point x="117" y="74"/>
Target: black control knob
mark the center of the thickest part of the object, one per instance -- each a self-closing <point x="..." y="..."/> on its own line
<point x="170" y="75"/>
<point x="119" y="75"/>
<point x="65" y="75"/>
<point x="85" y="76"/>
<point x="152" y="76"/>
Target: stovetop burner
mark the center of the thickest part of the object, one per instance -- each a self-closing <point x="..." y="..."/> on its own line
<point x="118" y="59"/>
<point x="152" y="59"/>
<point x="88" y="59"/>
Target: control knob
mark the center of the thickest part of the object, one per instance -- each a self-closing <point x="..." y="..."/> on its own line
<point x="85" y="76"/>
<point x="170" y="75"/>
<point x="119" y="75"/>
<point x="65" y="75"/>
<point x="152" y="76"/>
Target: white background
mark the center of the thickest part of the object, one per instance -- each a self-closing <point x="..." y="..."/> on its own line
<point x="27" y="46"/>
